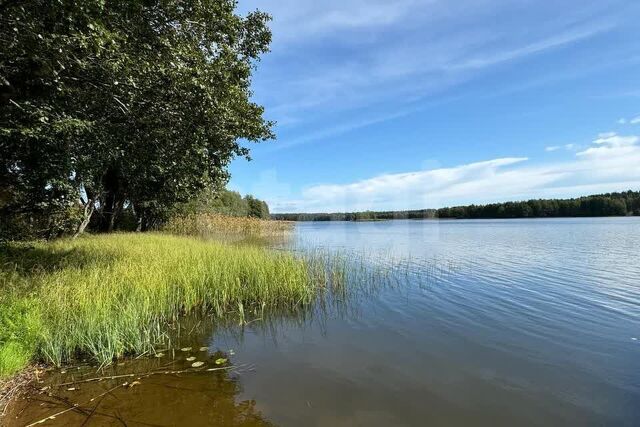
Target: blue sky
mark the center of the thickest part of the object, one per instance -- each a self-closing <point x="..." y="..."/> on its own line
<point x="412" y="104"/>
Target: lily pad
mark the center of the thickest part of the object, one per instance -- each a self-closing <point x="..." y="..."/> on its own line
<point x="185" y="349"/>
<point x="204" y="348"/>
<point x="191" y="359"/>
<point x="221" y="361"/>
<point x="197" y="364"/>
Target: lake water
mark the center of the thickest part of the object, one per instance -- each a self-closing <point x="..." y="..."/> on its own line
<point x="488" y="322"/>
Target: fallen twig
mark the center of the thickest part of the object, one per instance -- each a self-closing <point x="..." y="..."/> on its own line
<point x="148" y="374"/>
<point x="75" y="406"/>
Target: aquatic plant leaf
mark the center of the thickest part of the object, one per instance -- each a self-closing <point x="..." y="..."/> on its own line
<point x="204" y="348"/>
<point x="185" y="349"/>
<point x="221" y="361"/>
<point x="159" y="354"/>
<point x="191" y="359"/>
<point x="197" y="364"/>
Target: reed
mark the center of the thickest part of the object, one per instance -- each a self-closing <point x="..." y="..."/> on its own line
<point x="108" y="296"/>
<point x="227" y="228"/>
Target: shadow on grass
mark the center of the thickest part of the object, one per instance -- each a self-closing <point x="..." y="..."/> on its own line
<point x="28" y="260"/>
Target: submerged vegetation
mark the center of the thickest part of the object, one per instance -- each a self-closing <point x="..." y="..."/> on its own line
<point x="111" y="295"/>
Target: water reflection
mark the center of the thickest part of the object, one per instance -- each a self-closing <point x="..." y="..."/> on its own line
<point x="525" y="322"/>
<point x="160" y="390"/>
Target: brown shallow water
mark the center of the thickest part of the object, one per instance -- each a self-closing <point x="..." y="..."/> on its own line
<point x="489" y="323"/>
<point x="162" y="390"/>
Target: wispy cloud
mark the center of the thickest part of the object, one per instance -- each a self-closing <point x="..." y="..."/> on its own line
<point x="568" y="147"/>
<point x="338" y="130"/>
<point x="631" y="121"/>
<point x="608" y="164"/>
<point x="336" y="61"/>
<point x="556" y="41"/>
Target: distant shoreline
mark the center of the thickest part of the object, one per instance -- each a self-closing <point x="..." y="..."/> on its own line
<point x="467" y="219"/>
<point x="600" y="205"/>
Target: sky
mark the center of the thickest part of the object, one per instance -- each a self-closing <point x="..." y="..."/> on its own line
<point x="410" y="104"/>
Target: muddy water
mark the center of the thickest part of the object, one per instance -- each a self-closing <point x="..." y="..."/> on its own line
<point x="521" y="322"/>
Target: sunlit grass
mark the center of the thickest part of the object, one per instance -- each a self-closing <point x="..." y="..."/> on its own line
<point x="112" y="295"/>
<point x="221" y="227"/>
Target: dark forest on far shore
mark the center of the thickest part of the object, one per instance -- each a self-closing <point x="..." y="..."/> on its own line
<point x="609" y="204"/>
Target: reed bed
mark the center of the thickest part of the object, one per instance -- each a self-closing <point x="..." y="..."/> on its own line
<point x="227" y="228"/>
<point x="109" y="296"/>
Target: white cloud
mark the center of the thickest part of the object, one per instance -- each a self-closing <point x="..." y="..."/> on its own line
<point x="631" y="121"/>
<point x="609" y="164"/>
<point x="555" y="41"/>
<point x="344" y="55"/>
<point x="612" y="139"/>
<point x="568" y="147"/>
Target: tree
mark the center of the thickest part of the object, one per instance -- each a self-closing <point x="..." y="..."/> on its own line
<point x="257" y="208"/>
<point x="137" y="103"/>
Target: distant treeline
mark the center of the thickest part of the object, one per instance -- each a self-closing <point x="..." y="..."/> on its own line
<point x="610" y="204"/>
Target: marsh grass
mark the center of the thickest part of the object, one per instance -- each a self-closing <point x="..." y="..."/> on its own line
<point x="227" y="228"/>
<point x="109" y="296"/>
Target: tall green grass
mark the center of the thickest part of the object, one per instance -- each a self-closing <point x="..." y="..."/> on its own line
<point x="112" y="295"/>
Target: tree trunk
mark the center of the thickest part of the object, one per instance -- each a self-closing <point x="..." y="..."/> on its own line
<point x="117" y="208"/>
<point x="88" y="212"/>
<point x="113" y="198"/>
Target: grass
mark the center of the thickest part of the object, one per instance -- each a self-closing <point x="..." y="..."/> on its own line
<point x="108" y="296"/>
<point x="226" y="228"/>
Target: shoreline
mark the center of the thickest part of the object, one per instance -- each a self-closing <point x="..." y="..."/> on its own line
<point x="15" y="386"/>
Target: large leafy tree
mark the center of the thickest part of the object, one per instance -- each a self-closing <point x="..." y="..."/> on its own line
<point x="123" y="103"/>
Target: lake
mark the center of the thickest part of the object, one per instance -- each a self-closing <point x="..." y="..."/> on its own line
<point x="482" y="322"/>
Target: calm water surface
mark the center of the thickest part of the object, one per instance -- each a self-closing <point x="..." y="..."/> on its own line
<point x="491" y="322"/>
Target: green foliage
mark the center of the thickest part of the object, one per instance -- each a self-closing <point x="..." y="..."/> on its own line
<point x="136" y="103"/>
<point x="110" y="295"/>
<point x="257" y="208"/>
<point x="610" y="204"/>
<point x="19" y="326"/>
<point x="223" y="202"/>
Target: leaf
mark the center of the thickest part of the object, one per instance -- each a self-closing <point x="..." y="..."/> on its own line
<point x="221" y="361"/>
<point x="185" y="349"/>
<point x="204" y="348"/>
<point x="191" y="359"/>
<point x="159" y="354"/>
<point x="197" y="364"/>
